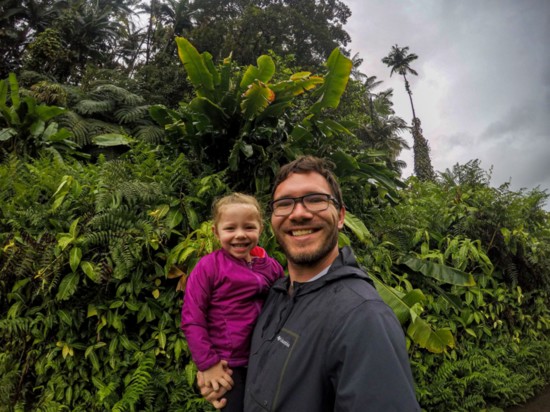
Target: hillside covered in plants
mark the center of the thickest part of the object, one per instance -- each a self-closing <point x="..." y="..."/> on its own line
<point x="116" y="136"/>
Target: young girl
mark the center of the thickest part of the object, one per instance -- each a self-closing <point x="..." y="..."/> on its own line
<point x="225" y="293"/>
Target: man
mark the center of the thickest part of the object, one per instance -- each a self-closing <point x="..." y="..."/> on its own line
<point x="325" y="340"/>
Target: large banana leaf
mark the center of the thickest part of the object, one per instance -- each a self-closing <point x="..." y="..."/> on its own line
<point x="336" y="80"/>
<point x="256" y="99"/>
<point x="358" y="228"/>
<point x="264" y="72"/>
<point x="211" y="110"/>
<point x="436" y="341"/>
<point x="420" y="331"/>
<point x="442" y="273"/>
<point x="401" y="303"/>
<point x="196" y="68"/>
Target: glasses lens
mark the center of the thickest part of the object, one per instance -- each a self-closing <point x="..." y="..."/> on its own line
<point x="283" y="207"/>
<point x="316" y="202"/>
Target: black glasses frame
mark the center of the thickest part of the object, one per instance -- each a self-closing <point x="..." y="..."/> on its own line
<point x="300" y="199"/>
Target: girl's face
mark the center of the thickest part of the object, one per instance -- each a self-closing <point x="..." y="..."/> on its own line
<point x="238" y="229"/>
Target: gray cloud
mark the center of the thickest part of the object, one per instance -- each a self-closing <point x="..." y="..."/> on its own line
<point x="483" y="90"/>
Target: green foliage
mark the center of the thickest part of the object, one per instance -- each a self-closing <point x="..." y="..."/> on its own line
<point x="26" y="127"/>
<point x="91" y="319"/>
<point x="308" y="29"/>
<point x="424" y="264"/>
<point x="245" y="121"/>
<point x="94" y="256"/>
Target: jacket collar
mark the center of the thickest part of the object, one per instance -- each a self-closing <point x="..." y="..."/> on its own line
<point x="344" y="266"/>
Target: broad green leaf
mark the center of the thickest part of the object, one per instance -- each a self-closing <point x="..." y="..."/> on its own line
<point x="6" y="134"/>
<point x="436" y="341"/>
<point x="75" y="256"/>
<point x="207" y="58"/>
<point x="64" y="241"/>
<point x="162" y="115"/>
<point x="178" y="348"/>
<point x="58" y="135"/>
<point x="19" y="284"/>
<point x="73" y="229"/>
<point x="393" y="299"/>
<point x="160" y="211"/>
<point x="92" y="311"/>
<point x="256" y="99"/>
<point x="89" y="270"/>
<point x="174" y="218"/>
<point x="190" y="373"/>
<point x="134" y="307"/>
<point x="214" y="112"/>
<point x="339" y="69"/>
<point x="438" y="271"/>
<point x="196" y="69"/>
<point x="162" y="339"/>
<point x="358" y="228"/>
<point x="67" y="287"/>
<point x="48" y="112"/>
<point x="264" y="72"/>
<point x="37" y="128"/>
<point x="296" y="87"/>
<point x="65" y="317"/>
<point x="67" y="351"/>
<point x="111" y="139"/>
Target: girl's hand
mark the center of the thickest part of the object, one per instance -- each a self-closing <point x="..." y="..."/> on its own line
<point x="214" y="383"/>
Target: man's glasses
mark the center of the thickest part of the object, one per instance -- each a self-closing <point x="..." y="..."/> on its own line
<point x="314" y="202"/>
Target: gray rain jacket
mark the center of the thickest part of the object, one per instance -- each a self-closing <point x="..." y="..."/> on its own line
<point x="332" y="346"/>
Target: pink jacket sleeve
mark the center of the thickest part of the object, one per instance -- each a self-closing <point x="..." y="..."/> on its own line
<point x="193" y="317"/>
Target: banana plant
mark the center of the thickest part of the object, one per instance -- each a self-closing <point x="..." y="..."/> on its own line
<point x="240" y="118"/>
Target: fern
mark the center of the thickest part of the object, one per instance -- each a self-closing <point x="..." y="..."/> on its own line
<point x="117" y="94"/>
<point x="150" y="134"/>
<point x="138" y="381"/>
<point x="130" y="114"/>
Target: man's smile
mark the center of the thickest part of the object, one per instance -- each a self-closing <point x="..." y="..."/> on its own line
<point x="301" y="232"/>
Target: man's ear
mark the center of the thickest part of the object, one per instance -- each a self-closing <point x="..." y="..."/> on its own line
<point x="341" y="218"/>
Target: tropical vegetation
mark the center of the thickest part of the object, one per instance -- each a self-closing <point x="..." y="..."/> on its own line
<point x="117" y="133"/>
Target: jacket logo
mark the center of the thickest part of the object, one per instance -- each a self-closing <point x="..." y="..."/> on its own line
<point x="284" y="342"/>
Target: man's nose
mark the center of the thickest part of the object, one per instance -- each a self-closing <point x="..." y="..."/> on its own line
<point x="300" y="211"/>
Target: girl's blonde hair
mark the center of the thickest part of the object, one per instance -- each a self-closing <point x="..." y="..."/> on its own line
<point x="235" y="199"/>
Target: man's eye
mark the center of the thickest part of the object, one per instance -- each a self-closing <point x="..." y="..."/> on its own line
<point x="283" y="204"/>
<point x="316" y="199"/>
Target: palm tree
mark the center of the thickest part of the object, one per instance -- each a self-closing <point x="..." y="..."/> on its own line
<point x="382" y="131"/>
<point x="399" y="59"/>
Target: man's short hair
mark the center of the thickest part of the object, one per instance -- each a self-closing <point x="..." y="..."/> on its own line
<point x="307" y="164"/>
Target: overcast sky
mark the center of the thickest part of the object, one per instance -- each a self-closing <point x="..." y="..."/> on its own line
<point x="483" y="85"/>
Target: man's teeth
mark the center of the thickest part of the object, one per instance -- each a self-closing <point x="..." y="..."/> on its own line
<point x="301" y="232"/>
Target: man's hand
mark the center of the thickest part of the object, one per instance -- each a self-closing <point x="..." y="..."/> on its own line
<point x="218" y="376"/>
<point x="213" y="390"/>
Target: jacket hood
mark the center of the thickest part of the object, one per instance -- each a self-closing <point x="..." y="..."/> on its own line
<point x="344" y="266"/>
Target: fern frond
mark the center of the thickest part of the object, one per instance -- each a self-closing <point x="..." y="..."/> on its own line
<point x="117" y="94"/>
<point x="150" y="134"/>
<point x="77" y="125"/>
<point x="139" y="380"/>
<point x="128" y="114"/>
<point x="93" y="106"/>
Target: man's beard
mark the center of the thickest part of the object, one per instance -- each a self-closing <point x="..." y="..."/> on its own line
<point x="310" y="258"/>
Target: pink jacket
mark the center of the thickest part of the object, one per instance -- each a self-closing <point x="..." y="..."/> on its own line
<point x="223" y="298"/>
